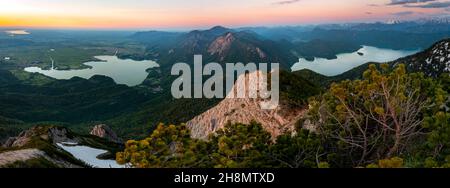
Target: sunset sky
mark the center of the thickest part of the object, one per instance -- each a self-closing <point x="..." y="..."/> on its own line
<point x="162" y="14"/>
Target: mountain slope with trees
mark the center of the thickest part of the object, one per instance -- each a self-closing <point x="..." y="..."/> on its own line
<point x="377" y="115"/>
<point x="388" y="119"/>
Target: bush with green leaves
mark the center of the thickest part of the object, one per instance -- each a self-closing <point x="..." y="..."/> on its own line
<point x="388" y="113"/>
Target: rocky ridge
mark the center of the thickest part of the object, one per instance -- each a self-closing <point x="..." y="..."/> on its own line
<point x="432" y="62"/>
<point x="41" y="143"/>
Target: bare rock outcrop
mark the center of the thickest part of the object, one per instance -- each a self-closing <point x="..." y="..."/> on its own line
<point x="245" y="110"/>
<point x="221" y="44"/>
<point x="103" y="131"/>
<point x="11" y="157"/>
<point x="52" y="134"/>
<point x="20" y="155"/>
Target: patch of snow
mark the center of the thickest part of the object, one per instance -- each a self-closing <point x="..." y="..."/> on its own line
<point x="89" y="156"/>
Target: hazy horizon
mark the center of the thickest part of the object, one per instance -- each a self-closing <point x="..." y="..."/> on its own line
<point x="187" y="29"/>
<point x="200" y="14"/>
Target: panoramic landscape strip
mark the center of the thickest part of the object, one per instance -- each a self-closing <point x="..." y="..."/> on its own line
<point x="261" y="85"/>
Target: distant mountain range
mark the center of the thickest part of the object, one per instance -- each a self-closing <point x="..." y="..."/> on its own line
<point x="217" y="44"/>
<point x="286" y="44"/>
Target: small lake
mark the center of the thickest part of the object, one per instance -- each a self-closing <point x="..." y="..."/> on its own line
<point x="347" y="61"/>
<point x="89" y="156"/>
<point x="17" y="32"/>
<point x="122" y="71"/>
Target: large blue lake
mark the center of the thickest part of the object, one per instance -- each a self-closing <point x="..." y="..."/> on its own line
<point x="122" y="71"/>
<point x="347" y="61"/>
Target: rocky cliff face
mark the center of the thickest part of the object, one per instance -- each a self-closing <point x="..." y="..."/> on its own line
<point x="221" y="44"/>
<point x="222" y="47"/>
<point x="276" y="122"/>
<point x="103" y="131"/>
<point x="244" y="110"/>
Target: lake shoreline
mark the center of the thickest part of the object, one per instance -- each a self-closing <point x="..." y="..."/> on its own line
<point x="347" y="61"/>
<point x="122" y="71"/>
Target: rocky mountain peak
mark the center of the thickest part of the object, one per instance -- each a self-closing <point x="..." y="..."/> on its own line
<point x="219" y="29"/>
<point x="245" y="110"/>
<point x="104" y="131"/>
<point x="394" y="21"/>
